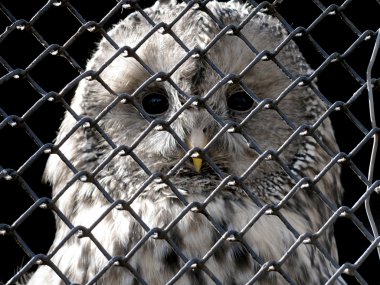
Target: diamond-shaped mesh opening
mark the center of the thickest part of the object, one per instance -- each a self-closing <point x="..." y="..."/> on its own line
<point x="299" y="19"/>
<point x="25" y="11"/>
<point x="85" y="41"/>
<point x="46" y="66"/>
<point x="196" y="146"/>
<point x="361" y="52"/>
<point x="363" y="23"/>
<point x="20" y="47"/>
<point x="336" y="25"/>
<point x="22" y="150"/>
<point x="18" y="96"/>
<point x="57" y="33"/>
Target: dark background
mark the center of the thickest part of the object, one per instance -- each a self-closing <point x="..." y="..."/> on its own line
<point x="338" y="81"/>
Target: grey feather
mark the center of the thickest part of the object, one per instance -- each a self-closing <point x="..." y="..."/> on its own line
<point x="160" y="204"/>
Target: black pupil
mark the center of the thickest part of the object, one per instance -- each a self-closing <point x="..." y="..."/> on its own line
<point x="240" y="101"/>
<point x="155" y="103"/>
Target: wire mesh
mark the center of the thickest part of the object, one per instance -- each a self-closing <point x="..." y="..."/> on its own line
<point x="43" y="61"/>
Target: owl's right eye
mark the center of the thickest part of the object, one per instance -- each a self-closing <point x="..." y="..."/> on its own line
<point x="240" y="102"/>
<point x="155" y="103"/>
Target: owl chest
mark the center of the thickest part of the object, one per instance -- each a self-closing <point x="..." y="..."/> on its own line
<point x="192" y="239"/>
<point x="166" y="236"/>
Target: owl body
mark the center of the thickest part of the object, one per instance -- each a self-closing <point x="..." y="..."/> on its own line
<point x="138" y="210"/>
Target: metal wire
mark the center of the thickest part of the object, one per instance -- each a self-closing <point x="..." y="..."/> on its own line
<point x="22" y="122"/>
<point x="375" y="137"/>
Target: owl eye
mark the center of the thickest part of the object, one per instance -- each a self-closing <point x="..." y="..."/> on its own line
<point x="155" y="103"/>
<point x="240" y="102"/>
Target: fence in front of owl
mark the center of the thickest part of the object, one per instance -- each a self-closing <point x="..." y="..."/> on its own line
<point x="43" y="51"/>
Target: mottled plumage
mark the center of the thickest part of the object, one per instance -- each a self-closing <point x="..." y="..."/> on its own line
<point x="134" y="154"/>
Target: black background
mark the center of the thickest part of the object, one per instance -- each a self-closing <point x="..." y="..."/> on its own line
<point x="56" y="25"/>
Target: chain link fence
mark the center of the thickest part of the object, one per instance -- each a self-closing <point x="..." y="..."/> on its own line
<point x="44" y="47"/>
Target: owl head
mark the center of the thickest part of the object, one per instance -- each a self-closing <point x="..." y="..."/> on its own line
<point x="195" y="94"/>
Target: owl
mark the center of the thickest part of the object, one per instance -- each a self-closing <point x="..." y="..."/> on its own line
<point x="196" y="150"/>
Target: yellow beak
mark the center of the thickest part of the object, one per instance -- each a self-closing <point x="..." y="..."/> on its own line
<point x="197" y="138"/>
<point x="197" y="161"/>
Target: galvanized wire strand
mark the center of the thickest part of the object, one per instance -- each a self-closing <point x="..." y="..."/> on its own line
<point x="375" y="136"/>
<point x="297" y="183"/>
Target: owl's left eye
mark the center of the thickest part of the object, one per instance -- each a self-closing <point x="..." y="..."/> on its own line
<point x="240" y="102"/>
<point x="155" y="103"/>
